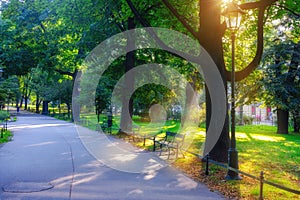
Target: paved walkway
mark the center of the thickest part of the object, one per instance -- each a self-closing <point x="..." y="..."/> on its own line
<point x="52" y="159"/>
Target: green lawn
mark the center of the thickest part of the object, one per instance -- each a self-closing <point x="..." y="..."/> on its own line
<point x="6" y="136"/>
<point x="4" y="115"/>
<point x="261" y="149"/>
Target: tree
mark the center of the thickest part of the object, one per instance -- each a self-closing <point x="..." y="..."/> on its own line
<point x="50" y="36"/>
<point x="202" y="30"/>
<point x="64" y="89"/>
<point x="281" y="63"/>
<point x="43" y="34"/>
<point x="282" y="82"/>
<point x="10" y="90"/>
<point x="44" y="88"/>
<point x="25" y="90"/>
<point x="194" y="21"/>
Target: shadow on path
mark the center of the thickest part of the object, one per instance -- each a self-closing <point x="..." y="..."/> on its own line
<point x="47" y="160"/>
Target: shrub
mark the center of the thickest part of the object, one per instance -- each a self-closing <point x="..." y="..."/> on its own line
<point x="247" y="120"/>
<point x="4" y="115"/>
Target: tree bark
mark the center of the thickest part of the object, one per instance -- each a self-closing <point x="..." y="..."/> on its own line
<point x="127" y="102"/>
<point x="213" y="45"/>
<point x="282" y="121"/>
<point x="45" y="110"/>
<point x="69" y="110"/>
<point x="296" y="120"/>
<point x="37" y="104"/>
<point x="189" y="102"/>
<point x="26" y="103"/>
<point x="76" y="94"/>
<point x="21" y="102"/>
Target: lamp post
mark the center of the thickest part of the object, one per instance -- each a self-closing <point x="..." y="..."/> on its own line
<point x="1" y="73"/>
<point x="233" y="17"/>
<point x="2" y="129"/>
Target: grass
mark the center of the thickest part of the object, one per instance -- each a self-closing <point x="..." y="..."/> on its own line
<point x="6" y="137"/>
<point x="260" y="149"/>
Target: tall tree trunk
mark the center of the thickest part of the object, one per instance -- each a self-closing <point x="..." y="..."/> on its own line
<point x="189" y="102"/>
<point x="26" y="96"/>
<point x="59" y="108"/>
<point x="76" y="94"/>
<point x="26" y="102"/>
<point x="213" y="45"/>
<point x="17" y="100"/>
<point x="282" y="121"/>
<point x="45" y="110"/>
<point x="69" y="110"/>
<point x="294" y="66"/>
<point x="37" y="104"/>
<point x="23" y="94"/>
<point x="296" y="120"/>
<point x="21" y="102"/>
<point x="98" y="114"/>
<point x="127" y="102"/>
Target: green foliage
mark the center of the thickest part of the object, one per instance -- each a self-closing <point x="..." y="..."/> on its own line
<point x="261" y="149"/>
<point x="9" y="90"/>
<point x="281" y="81"/>
<point x="4" y="115"/>
<point x="247" y="120"/>
<point x="6" y="137"/>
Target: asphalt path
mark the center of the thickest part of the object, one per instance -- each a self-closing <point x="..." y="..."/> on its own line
<point x="51" y="159"/>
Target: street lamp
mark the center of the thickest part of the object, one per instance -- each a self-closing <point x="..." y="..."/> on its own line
<point x="233" y="17"/>
<point x="1" y="74"/>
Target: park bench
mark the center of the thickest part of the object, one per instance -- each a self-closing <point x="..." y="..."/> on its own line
<point x="170" y="141"/>
<point x="134" y="133"/>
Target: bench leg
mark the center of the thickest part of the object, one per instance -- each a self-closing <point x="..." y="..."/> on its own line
<point x="169" y="153"/>
<point x="160" y="149"/>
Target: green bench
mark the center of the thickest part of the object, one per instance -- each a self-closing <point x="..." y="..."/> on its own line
<point x="170" y="141"/>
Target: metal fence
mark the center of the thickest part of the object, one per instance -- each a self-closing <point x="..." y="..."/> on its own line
<point x="259" y="178"/>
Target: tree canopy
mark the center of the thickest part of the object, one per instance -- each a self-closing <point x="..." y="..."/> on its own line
<point x="43" y="44"/>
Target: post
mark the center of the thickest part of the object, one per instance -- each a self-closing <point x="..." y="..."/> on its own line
<point x="232" y="152"/>
<point x="5" y="125"/>
<point x="206" y="167"/>
<point x="261" y="197"/>
<point x="109" y="122"/>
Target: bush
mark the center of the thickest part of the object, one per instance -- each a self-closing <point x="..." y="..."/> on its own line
<point x="4" y="115"/>
<point x="247" y="120"/>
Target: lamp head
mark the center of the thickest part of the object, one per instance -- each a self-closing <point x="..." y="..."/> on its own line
<point x="233" y="16"/>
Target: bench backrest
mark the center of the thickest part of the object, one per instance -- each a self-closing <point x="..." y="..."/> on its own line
<point x="170" y="136"/>
<point x="174" y="137"/>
